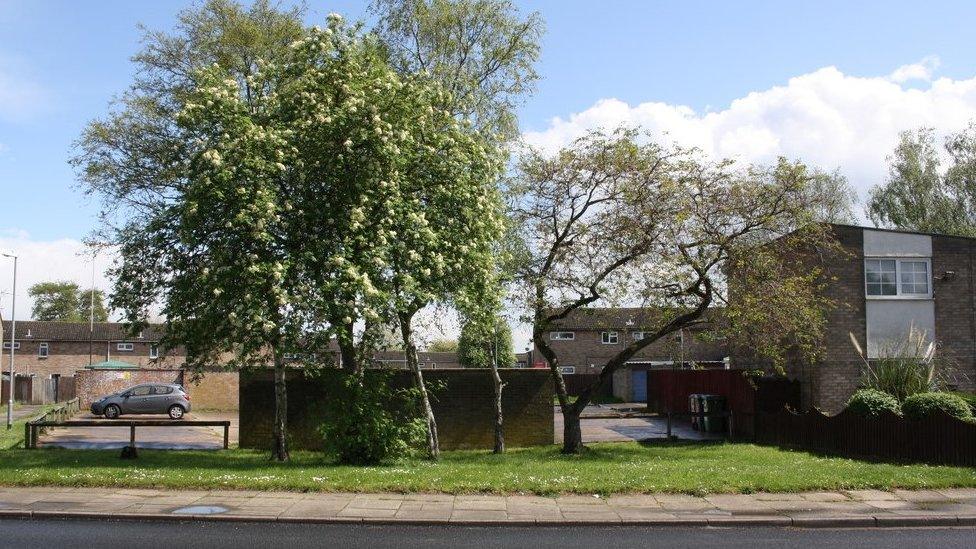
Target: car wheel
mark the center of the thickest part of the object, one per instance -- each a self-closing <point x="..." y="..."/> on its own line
<point x="176" y="411"/>
<point x="112" y="411"/>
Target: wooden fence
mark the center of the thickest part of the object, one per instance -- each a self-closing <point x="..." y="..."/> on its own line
<point x="59" y="414"/>
<point x="938" y="438"/>
<point x="575" y="383"/>
<point x="37" y="390"/>
<point x="668" y="391"/>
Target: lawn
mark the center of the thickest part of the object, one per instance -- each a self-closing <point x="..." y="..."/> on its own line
<point x="14" y="437"/>
<point x="605" y="468"/>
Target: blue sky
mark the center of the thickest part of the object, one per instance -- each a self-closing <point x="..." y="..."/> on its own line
<point x="745" y="79"/>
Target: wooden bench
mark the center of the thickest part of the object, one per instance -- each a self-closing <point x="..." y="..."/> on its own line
<point x="32" y="429"/>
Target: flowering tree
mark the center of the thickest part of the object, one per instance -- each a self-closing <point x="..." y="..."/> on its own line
<point x="611" y="219"/>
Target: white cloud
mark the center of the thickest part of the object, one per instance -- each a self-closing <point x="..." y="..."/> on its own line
<point x="43" y="260"/>
<point x="826" y="118"/>
<point x="923" y="70"/>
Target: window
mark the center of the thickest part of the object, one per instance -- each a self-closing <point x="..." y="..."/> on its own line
<point x="162" y="390"/>
<point x="42" y="350"/>
<point x="141" y="390"/>
<point x="154" y="351"/>
<point x="639" y="335"/>
<point x="125" y="346"/>
<point x="565" y="336"/>
<point x="609" y="338"/>
<point x="6" y="345"/>
<point x="567" y="369"/>
<point x="897" y="277"/>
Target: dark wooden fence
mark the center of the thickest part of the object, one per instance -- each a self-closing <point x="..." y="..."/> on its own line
<point x="938" y="438"/>
<point x="575" y="383"/>
<point x="668" y="391"/>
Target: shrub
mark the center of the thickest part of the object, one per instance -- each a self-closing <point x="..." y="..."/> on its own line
<point x="369" y="421"/>
<point x="906" y="367"/>
<point x="921" y="405"/>
<point x="970" y="399"/>
<point x="871" y="402"/>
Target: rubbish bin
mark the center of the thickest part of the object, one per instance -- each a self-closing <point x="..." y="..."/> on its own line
<point x="711" y="404"/>
<point x="695" y="406"/>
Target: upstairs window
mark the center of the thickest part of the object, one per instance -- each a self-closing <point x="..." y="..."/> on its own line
<point x="609" y="338"/>
<point x="562" y="336"/>
<point x="42" y="350"/>
<point x="125" y="346"/>
<point x="909" y="278"/>
<point x="6" y="345"/>
<point x="639" y="335"/>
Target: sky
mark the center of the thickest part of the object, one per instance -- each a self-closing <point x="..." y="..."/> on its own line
<point x="831" y="83"/>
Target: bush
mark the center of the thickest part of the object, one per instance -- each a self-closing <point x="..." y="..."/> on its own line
<point x="905" y="367"/>
<point x="871" y="403"/>
<point x="369" y="421"/>
<point x="921" y="405"/>
<point x="970" y="399"/>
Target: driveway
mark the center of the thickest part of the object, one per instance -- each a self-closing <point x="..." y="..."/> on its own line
<point x="163" y="438"/>
<point x="609" y="424"/>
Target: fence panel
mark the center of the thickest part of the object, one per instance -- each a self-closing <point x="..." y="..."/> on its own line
<point x="938" y="438"/>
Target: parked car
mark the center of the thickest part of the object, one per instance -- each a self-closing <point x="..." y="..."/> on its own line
<point x="151" y="398"/>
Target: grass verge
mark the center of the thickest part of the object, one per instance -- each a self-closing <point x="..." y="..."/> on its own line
<point x="605" y="468"/>
<point x="14" y="437"/>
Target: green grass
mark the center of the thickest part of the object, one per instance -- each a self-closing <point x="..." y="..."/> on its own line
<point x="604" y="468"/>
<point x="14" y="437"/>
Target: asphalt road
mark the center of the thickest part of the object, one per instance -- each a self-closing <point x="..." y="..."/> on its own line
<point x="106" y="534"/>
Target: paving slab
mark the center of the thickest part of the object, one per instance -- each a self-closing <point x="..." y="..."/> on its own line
<point x="860" y="508"/>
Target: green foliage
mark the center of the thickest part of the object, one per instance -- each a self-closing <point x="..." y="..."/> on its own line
<point x="370" y="422"/>
<point x="918" y="196"/>
<point x="871" y="402"/>
<point x="65" y="301"/>
<point x="919" y="406"/>
<point x="478" y="343"/>
<point x="905" y="367"/>
<point x="970" y="399"/>
<point x="481" y="51"/>
<point x="443" y="346"/>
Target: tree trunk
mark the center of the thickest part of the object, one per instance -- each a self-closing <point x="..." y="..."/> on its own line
<point x="572" y="433"/>
<point x="279" y="449"/>
<point x="499" y="418"/>
<point x="413" y="362"/>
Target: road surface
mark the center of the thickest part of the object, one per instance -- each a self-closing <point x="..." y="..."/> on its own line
<point x="24" y="534"/>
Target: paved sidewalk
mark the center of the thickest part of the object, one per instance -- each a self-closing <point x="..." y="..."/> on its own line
<point x="861" y="508"/>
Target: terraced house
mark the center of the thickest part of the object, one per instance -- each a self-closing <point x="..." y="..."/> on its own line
<point x="886" y="283"/>
<point x="49" y="349"/>
<point x="586" y="339"/>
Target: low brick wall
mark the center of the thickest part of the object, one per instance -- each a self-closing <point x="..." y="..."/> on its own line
<point x="463" y="406"/>
<point x="91" y="385"/>
<point x="213" y="391"/>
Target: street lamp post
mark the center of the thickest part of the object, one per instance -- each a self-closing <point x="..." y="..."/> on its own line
<point x="13" y="344"/>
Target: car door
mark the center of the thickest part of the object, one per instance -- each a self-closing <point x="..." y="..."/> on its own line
<point x="162" y="397"/>
<point x="138" y="400"/>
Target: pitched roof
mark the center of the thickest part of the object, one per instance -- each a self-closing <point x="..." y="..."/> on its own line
<point x="39" y="330"/>
<point x="620" y="318"/>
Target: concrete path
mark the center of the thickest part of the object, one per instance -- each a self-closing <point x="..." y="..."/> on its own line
<point x="856" y="508"/>
<point x="608" y="428"/>
<point x="23" y="410"/>
<point x="169" y="438"/>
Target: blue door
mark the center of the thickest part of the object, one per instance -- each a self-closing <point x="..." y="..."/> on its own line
<point x="638" y="384"/>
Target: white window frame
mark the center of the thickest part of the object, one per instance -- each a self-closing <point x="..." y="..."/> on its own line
<point x="638" y="335"/>
<point x="609" y="338"/>
<point x="125" y="347"/>
<point x="153" y="350"/>
<point x="562" y="336"/>
<point x="567" y="370"/>
<point x="43" y="350"/>
<point x="898" y="272"/>
<point x="6" y="345"/>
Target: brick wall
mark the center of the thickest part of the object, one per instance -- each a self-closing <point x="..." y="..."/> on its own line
<point x="955" y="305"/>
<point x="91" y="385"/>
<point x="463" y="407"/>
<point x="213" y="391"/>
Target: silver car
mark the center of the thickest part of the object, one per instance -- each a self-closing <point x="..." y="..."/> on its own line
<point x="151" y="398"/>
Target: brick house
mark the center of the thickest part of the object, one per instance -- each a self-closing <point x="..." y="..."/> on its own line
<point x="588" y="337"/>
<point x="47" y="349"/>
<point x="884" y="283"/>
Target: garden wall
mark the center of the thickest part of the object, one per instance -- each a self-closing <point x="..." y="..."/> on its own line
<point x="463" y="405"/>
<point x="938" y="438"/>
<point x="213" y="391"/>
<point x="91" y="385"/>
